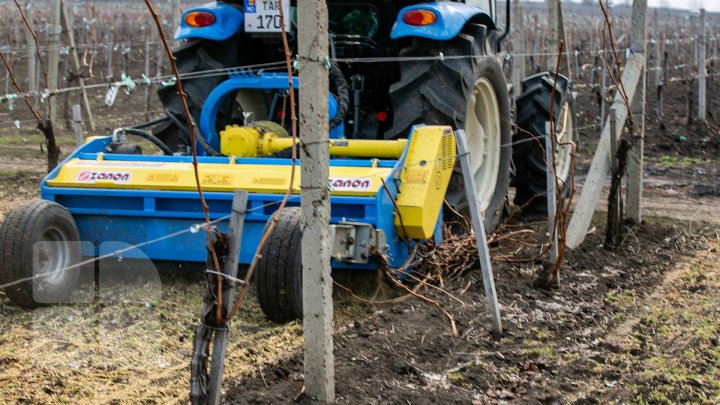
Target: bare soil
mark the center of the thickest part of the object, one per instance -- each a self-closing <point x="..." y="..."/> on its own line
<point x="558" y="346"/>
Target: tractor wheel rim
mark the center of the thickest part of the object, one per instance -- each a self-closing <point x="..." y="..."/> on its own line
<point x="52" y="255"/>
<point x="483" y="132"/>
<point x="564" y="132"/>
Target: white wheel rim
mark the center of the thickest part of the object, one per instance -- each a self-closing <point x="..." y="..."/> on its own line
<point x="483" y="133"/>
<point x="52" y="255"/>
<point x="563" y="151"/>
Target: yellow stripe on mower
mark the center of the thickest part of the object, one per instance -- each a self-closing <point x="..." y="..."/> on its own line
<point x="260" y="178"/>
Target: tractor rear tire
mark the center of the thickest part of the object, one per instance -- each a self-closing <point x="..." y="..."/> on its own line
<point x="201" y="57"/>
<point x="279" y="272"/>
<point x="47" y="229"/>
<point x="466" y="89"/>
<point x="533" y="112"/>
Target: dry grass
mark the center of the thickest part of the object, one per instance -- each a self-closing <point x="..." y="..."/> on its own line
<point x="109" y="353"/>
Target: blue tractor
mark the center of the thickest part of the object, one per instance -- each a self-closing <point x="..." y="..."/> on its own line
<point x="402" y="73"/>
<point x="394" y="64"/>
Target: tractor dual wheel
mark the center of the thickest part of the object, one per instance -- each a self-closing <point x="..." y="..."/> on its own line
<point x="533" y="113"/>
<point x="464" y="87"/>
<point x="39" y="242"/>
<point x="278" y="276"/>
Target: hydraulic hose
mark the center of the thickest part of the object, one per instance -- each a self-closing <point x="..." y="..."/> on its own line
<point x="150" y="123"/>
<point x="508" y="20"/>
<point x="148" y="136"/>
<point x="183" y="127"/>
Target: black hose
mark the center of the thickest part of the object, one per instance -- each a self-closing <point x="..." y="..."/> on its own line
<point x="150" y="123"/>
<point x="207" y="148"/>
<point x="507" y="23"/>
<point x="184" y="129"/>
<point x="343" y="90"/>
<point x="148" y="136"/>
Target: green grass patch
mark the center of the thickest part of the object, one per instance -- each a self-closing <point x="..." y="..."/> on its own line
<point x="674" y="161"/>
<point x="667" y="161"/>
<point x="623" y="299"/>
<point x="544" y="334"/>
<point x="456" y="378"/>
<point x="539" y="349"/>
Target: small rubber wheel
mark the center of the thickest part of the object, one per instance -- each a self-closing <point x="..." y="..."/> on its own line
<point x="278" y="276"/>
<point x="38" y="242"/>
<point x="533" y="112"/>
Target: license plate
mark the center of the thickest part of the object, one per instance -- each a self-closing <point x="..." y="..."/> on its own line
<point x="264" y="15"/>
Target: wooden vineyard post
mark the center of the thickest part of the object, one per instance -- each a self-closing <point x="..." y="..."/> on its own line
<point x="109" y="56"/>
<point x="176" y="15"/>
<point x="55" y="30"/>
<point x="534" y="62"/>
<point x="230" y="269"/>
<point x="701" y="68"/>
<point x="315" y="201"/>
<point x="148" y="90"/>
<point x="552" y="41"/>
<point x="556" y="34"/>
<point x="32" y="59"/>
<point x="578" y="72"/>
<point x="518" y="65"/>
<point x="562" y="36"/>
<point x="7" y="73"/>
<point x="479" y="228"/>
<point x="67" y="29"/>
<point x="659" y="79"/>
<point x="614" y="206"/>
<point x="77" y="124"/>
<point x="603" y="91"/>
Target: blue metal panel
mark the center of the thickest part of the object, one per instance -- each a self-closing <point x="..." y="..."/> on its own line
<point x="246" y="80"/>
<point x="398" y="248"/>
<point x="228" y="21"/>
<point x="451" y="18"/>
<point x="138" y="216"/>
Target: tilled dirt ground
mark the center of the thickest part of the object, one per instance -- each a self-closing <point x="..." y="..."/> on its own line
<point x="632" y="324"/>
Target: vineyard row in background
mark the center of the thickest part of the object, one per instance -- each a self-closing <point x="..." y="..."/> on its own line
<point x="117" y="46"/>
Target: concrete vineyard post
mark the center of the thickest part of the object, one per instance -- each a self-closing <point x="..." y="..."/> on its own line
<point x="632" y="77"/>
<point x="315" y="201"/>
<point x="638" y="40"/>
